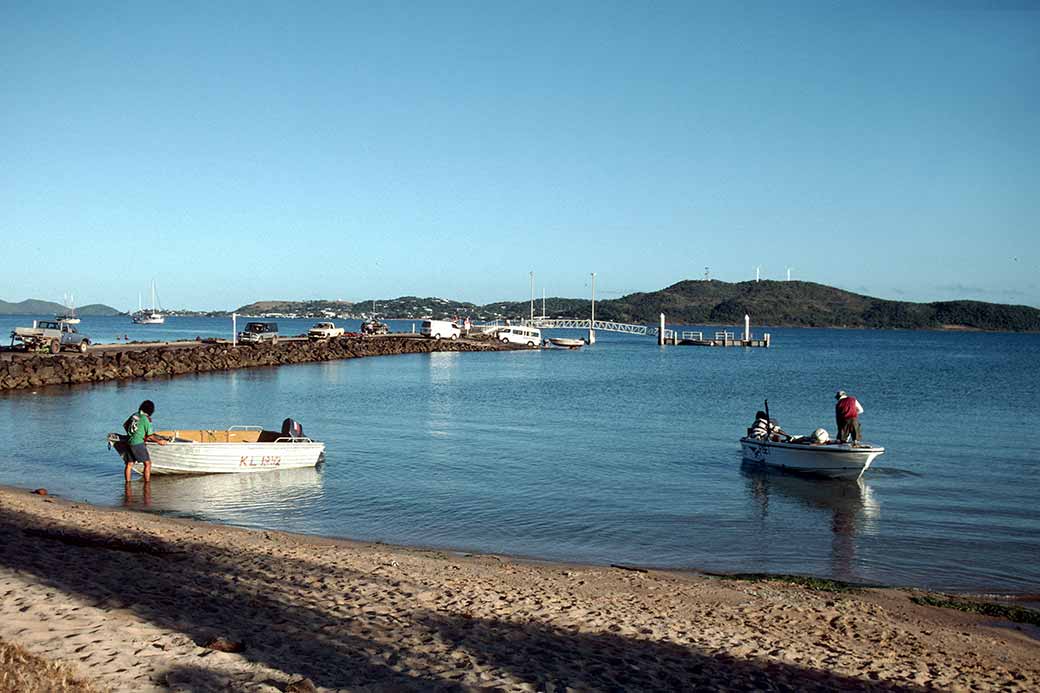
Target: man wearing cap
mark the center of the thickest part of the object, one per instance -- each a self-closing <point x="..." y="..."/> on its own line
<point x="846" y="412"/>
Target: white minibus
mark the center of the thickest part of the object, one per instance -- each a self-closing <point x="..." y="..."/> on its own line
<point x="526" y="336"/>
<point x="440" y="329"/>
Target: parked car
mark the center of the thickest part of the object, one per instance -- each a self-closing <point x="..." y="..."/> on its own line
<point x="53" y="335"/>
<point x="374" y="327"/>
<point x="440" y="329"/>
<point x="525" y="336"/>
<point x="259" y="332"/>
<point x="325" y="330"/>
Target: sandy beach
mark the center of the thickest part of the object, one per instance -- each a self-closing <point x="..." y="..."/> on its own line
<point x="134" y="601"/>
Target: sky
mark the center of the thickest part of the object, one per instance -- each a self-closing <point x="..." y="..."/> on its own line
<point x="243" y="151"/>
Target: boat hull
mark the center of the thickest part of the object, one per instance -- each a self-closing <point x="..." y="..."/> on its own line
<point x="566" y="342"/>
<point x="150" y="320"/>
<point x="830" y="461"/>
<point x="230" y="458"/>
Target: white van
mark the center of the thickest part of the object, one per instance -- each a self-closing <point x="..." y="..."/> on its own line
<point x="525" y="336"/>
<point x="440" y="329"/>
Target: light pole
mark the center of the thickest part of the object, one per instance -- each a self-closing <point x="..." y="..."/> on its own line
<point x="592" y="322"/>
<point x="532" y="297"/>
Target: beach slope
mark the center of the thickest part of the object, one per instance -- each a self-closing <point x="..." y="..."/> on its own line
<point x="133" y="601"/>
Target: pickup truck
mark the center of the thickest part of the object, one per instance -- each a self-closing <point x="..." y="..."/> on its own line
<point x="50" y="335"/>
<point x="324" y="330"/>
<point x="259" y="332"/>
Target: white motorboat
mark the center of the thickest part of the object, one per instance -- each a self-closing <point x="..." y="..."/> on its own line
<point x="567" y="342"/>
<point x="239" y="449"/>
<point x="831" y="460"/>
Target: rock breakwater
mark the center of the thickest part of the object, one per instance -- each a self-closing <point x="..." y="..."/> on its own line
<point x="21" y="371"/>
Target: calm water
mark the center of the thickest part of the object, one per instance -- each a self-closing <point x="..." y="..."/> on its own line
<point x="618" y="453"/>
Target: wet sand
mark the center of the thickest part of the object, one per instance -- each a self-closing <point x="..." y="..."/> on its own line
<point x="139" y="602"/>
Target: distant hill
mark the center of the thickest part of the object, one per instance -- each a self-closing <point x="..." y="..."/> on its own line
<point x="313" y="306"/>
<point x="697" y="302"/>
<point x="97" y="310"/>
<point x="807" y="304"/>
<point x="37" y="307"/>
<point x="402" y="307"/>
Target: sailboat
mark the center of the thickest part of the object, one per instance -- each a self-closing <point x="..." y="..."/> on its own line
<point x="69" y="314"/>
<point x="141" y="317"/>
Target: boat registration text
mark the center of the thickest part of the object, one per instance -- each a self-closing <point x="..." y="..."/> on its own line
<point x="260" y="461"/>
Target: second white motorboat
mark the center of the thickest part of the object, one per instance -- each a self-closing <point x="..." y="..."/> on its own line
<point x="832" y="460"/>
<point x="566" y="342"/>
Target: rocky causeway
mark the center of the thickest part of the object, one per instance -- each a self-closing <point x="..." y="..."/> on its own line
<point x="22" y="370"/>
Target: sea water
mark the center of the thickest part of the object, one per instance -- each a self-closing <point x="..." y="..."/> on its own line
<point x="619" y="453"/>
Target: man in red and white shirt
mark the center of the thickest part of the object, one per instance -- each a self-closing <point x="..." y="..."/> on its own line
<point x="846" y="413"/>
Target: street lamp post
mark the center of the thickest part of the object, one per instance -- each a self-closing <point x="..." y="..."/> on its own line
<point x="592" y="322"/>
<point x="532" y="298"/>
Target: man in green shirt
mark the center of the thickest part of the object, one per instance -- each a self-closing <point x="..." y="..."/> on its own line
<point x="139" y="431"/>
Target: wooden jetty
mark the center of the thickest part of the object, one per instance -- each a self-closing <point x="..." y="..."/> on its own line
<point x="721" y="339"/>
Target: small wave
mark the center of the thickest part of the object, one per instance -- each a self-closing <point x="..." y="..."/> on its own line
<point x="893" y="472"/>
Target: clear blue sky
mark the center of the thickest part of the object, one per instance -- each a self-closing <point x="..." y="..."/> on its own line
<point x="238" y="151"/>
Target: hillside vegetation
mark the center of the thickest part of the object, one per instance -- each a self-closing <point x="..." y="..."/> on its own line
<point x="36" y="307"/>
<point x="690" y="302"/>
<point x="697" y="302"/>
<point x="801" y="304"/>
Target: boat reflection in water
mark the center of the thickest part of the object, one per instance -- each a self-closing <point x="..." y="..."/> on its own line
<point x="849" y="503"/>
<point x="252" y="500"/>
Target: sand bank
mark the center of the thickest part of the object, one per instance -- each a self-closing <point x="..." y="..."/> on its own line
<point x="130" y="601"/>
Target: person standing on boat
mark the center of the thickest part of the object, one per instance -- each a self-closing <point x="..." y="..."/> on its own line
<point x="138" y="432"/>
<point x="846" y="413"/>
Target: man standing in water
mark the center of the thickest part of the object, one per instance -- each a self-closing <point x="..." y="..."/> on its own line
<point x="846" y="413"/>
<point x="139" y="431"/>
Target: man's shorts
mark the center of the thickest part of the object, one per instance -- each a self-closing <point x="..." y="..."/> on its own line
<point x="140" y="453"/>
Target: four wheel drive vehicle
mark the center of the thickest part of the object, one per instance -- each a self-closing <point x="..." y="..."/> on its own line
<point x="440" y="329"/>
<point x="526" y="336"/>
<point x="259" y="332"/>
<point x="51" y="335"/>
<point x="374" y="327"/>
<point x="325" y="330"/>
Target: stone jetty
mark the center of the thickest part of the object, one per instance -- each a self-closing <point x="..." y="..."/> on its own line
<point x="19" y="371"/>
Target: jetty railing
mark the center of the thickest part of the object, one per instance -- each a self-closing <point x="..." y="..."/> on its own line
<point x="574" y="324"/>
<point x="722" y="337"/>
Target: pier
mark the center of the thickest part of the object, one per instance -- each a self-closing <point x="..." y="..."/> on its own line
<point x="721" y="339"/>
<point x="665" y="336"/>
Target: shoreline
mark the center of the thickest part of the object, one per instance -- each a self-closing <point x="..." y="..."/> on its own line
<point x="140" y="601"/>
<point x="1028" y="599"/>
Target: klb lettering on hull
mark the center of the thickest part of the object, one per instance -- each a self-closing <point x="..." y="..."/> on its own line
<point x="264" y="461"/>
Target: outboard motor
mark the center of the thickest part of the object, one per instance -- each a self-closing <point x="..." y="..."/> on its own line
<point x="292" y="429"/>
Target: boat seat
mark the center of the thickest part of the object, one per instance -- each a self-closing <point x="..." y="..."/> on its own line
<point x="213" y="436"/>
